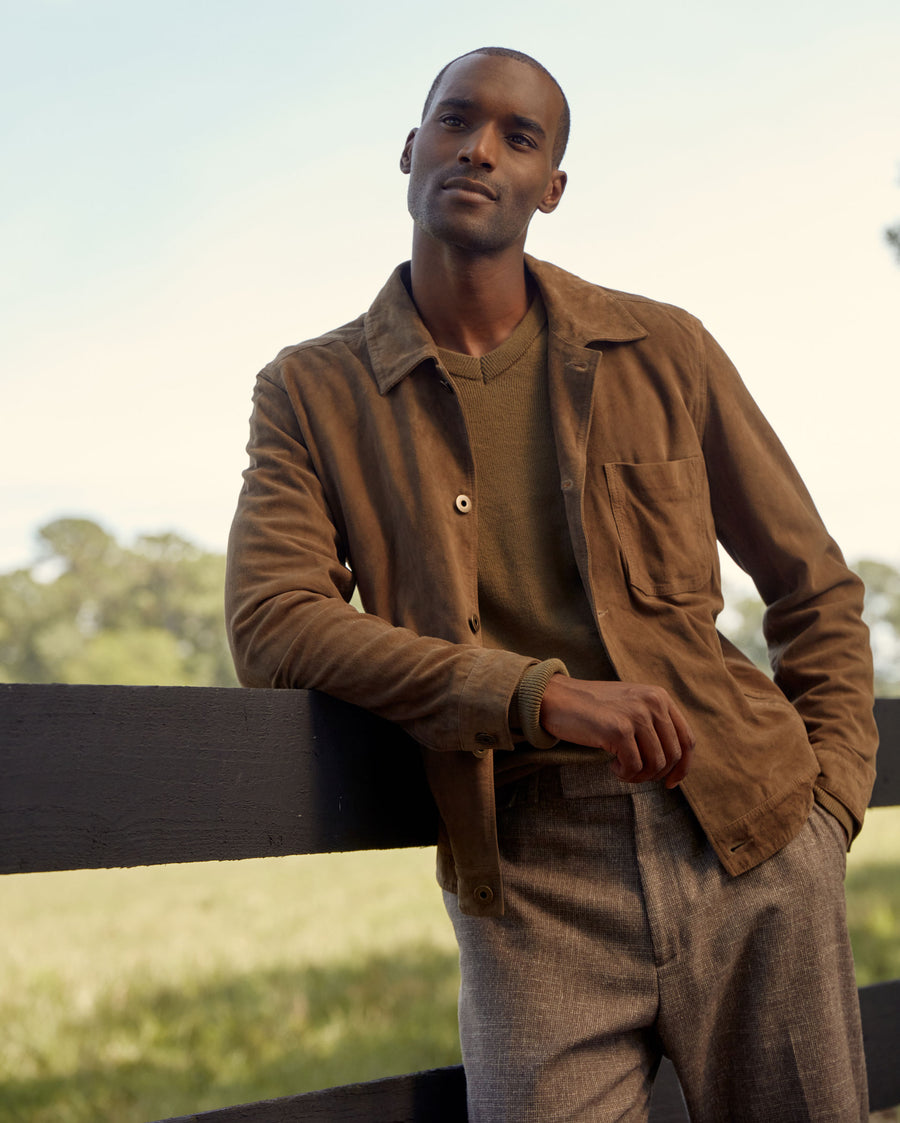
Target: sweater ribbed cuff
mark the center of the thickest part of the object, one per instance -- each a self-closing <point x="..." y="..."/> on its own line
<point x="529" y="694"/>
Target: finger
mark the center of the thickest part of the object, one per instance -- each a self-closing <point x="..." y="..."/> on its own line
<point x="665" y="747"/>
<point x="653" y="761"/>
<point x="685" y="734"/>
<point x="681" y="769"/>
<point x="686" y="742"/>
<point x="628" y="762"/>
<point x="670" y="747"/>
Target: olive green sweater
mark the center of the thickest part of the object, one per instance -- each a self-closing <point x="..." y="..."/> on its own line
<point x="531" y="598"/>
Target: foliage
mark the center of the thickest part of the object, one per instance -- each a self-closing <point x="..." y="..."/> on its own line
<point x="882" y="613"/>
<point x="892" y="235"/>
<point x="91" y="610"/>
<point x="743" y="623"/>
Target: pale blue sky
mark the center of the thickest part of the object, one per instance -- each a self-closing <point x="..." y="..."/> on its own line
<point x="187" y="187"/>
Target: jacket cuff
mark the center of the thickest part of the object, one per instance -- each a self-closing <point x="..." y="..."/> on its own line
<point x="838" y="810"/>
<point x="529" y="694"/>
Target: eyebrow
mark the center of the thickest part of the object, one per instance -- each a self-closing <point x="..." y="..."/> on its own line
<point x="468" y="103"/>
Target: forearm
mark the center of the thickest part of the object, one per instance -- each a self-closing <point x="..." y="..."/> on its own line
<point x="290" y="625"/>
<point x="448" y="696"/>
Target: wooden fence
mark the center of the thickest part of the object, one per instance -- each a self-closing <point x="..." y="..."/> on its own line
<point x="98" y="776"/>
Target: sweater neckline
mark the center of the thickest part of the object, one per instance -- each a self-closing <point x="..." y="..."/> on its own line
<point x="485" y="367"/>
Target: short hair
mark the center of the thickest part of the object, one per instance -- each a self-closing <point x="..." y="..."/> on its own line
<point x="562" y="130"/>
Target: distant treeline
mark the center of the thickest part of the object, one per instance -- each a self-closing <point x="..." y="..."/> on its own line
<point x="92" y="610"/>
<point x="89" y="609"/>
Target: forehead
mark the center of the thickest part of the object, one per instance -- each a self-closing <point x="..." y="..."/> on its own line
<point x="502" y="85"/>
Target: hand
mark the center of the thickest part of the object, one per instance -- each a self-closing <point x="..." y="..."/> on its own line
<point x="640" y="725"/>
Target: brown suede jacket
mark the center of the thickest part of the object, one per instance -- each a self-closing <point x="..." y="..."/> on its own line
<point x="361" y="471"/>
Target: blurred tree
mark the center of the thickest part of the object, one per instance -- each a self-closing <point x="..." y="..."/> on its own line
<point x="892" y="234"/>
<point x="882" y="614"/>
<point x="893" y="237"/>
<point x="742" y="623"/>
<point x="90" y="610"/>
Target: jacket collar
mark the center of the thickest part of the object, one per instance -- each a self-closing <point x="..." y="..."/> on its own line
<point x="397" y="339"/>
<point x="577" y="312"/>
<point x="582" y="313"/>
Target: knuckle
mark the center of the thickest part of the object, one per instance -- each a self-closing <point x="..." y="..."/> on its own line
<point x="620" y="728"/>
<point x="657" y="702"/>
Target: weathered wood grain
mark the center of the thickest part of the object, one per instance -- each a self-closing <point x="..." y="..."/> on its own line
<point x="94" y="776"/>
<point x="98" y="776"/>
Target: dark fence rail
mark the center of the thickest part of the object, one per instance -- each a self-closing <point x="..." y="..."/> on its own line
<point x="97" y="776"/>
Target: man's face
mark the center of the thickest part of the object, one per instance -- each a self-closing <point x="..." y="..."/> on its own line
<point x="481" y="163"/>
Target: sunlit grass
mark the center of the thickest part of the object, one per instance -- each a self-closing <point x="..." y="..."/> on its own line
<point x="132" y="995"/>
<point x="873" y="897"/>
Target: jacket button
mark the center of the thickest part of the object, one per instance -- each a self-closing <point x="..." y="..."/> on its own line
<point x="463" y="504"/>
<point x="484" y="894"/>
<point x="485" y="739"/>
<point x="567" y="485"/>
<point x="474" y="623"/>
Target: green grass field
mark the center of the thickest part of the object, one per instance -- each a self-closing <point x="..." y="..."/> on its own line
<point x="131" y="995"/>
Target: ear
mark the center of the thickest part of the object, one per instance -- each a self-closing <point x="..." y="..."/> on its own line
<point x="554" y="192"/>
<point x="406" y="154"/>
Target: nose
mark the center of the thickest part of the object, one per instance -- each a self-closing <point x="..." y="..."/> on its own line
<point x="479" y="148"/>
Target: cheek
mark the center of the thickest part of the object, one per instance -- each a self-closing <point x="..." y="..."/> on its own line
<point x="527" y="199"/>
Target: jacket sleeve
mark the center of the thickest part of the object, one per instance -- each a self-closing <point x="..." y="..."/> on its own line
<point x="290" y="623"/>
<point x="818" y="644"/>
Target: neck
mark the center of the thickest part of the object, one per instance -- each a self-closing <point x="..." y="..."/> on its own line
<point x="469" y="303"/>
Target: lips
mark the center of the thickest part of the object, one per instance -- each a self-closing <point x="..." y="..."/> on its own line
<point x="475" y="186"/>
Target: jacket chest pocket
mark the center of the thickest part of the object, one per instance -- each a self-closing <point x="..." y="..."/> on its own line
<point x="661" y="513"/>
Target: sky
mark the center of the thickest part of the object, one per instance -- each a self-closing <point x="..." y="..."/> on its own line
<point x="189" y="186"/>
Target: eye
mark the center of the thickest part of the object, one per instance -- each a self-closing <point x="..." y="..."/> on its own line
<point x="452" y="121"/>
<point x="521" y="140"/>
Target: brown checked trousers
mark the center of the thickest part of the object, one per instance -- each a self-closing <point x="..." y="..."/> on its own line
<point x="624" y="939"/>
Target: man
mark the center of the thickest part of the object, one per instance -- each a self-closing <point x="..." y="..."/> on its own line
<point x="643" y="837"/>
